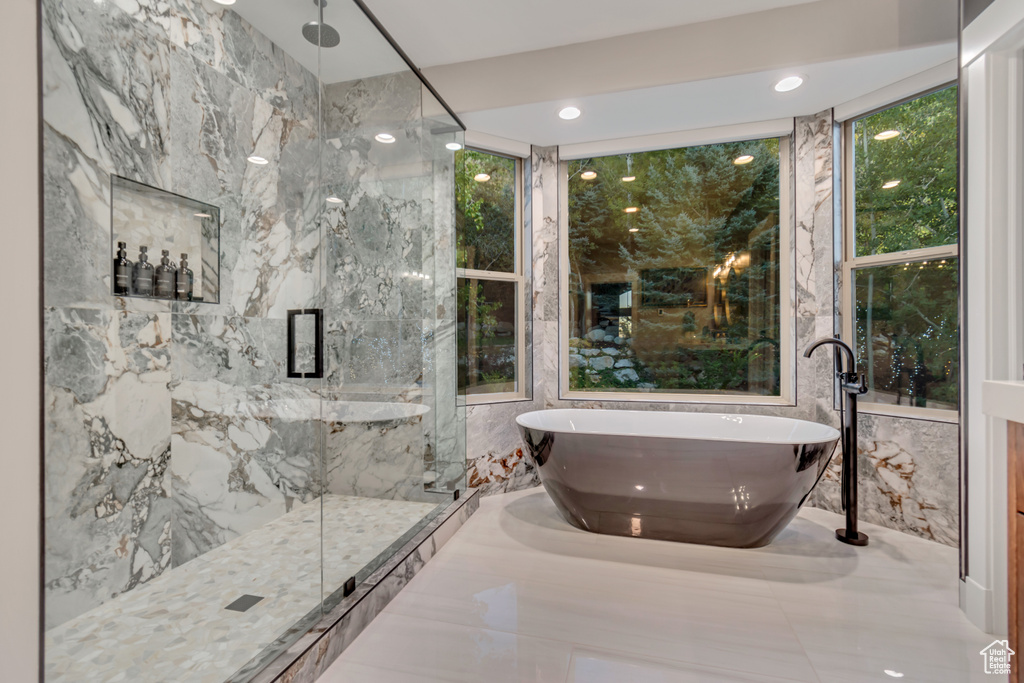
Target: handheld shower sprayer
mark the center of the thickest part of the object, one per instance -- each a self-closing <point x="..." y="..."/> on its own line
<point x="852" y="385"/>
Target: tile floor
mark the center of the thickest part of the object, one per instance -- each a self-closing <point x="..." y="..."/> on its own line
<point x="176" y="627"/>
<point x="519" y="595"/>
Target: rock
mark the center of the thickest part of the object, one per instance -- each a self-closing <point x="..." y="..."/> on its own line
<point x="610" y="351"/>
<point x="590" y="352"/>
<point x="596" y="335"/>
<point x="602" y="363"/>
<point x="645" y="385"/>
<point x="576" y="360"/>
<point x="626" y="375"/>
<point x="618" y="340"/>
<point x="624" y="363"/>
<point x="604" y="323"/>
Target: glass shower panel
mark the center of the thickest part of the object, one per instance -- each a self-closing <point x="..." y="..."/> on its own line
<point x="201" y="450"/>
<point x="386" y="239"/>
<point x="182" y="461"/>
<point x="446" y="469"/>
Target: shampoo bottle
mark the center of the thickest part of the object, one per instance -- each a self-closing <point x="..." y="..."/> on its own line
<point x="122" y="271"/>
<point x="165" y="277"/>
<point x="143" y="274"/>
<point x="184" y="280"/>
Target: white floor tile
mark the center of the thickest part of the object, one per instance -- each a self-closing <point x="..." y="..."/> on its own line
<point x="589" y="666"/>
<point x="518" y="588"/>
<point x="442" y="651"/>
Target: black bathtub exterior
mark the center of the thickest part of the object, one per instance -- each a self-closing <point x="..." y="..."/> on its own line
<point x="727" y="493"/>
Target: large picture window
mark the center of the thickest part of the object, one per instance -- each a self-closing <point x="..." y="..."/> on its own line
<point x="674" y="282"/>
<point x="901" y="265"/>
<point x="490" y="276"/>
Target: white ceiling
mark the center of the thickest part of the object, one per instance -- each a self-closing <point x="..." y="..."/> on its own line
<point x="434" y="32"/>
<point x="363" y="52"/>
<point x="635" y="68"/>
<point x="706" y="103"/>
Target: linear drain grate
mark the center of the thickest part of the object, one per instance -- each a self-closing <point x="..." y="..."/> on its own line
<point x="244" y="603"/>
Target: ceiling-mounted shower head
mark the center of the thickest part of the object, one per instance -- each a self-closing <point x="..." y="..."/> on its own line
<point x="319" y="33"/>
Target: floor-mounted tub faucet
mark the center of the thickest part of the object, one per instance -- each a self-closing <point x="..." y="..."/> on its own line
<point x="852" y="385"/>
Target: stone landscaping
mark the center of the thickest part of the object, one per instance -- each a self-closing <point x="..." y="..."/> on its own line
<point x="601" y="360"/>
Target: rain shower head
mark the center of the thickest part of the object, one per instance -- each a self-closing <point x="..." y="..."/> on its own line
<point x="319" y="33"/>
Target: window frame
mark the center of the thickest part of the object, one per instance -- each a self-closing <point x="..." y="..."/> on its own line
<point x="851" y="262"/>
<point x="787" y="288"/>
<point x="516" y="277"/>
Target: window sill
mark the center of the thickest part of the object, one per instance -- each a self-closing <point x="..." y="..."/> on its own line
<point x="909" y="412"/>
<point x="486" y="399"/>
<point x="700" y="399"/>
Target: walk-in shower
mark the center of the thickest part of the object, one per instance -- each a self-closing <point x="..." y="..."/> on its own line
<point x="241" y="432"/>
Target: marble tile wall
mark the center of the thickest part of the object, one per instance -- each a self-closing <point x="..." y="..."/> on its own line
<point x="172" y="427"/>
<point x="909" y="471"/>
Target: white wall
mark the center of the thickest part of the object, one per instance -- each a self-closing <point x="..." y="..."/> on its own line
<point x="991" y="78"/>
<point x="20" y="347"/>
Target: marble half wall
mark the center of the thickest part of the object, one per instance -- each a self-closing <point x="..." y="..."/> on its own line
<point x="908" y="468"/>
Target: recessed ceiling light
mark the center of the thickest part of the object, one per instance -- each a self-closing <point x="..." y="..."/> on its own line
<point x="634" y="229"/>
<point x="789" y="83"/>
<point x="744" y="159"/>
<point x="628" y="178"/>
<point x="258" y="160"/>
<point x="891" y="184"/>
<point x="588" y="175"/>
<point x="631" y="209"/>
<point x="224" y="2"/>
<point x="887" y="135"/>
<point x="569" y="113"/>
<point x="481" y="177"/>
<point x="386" y="138"/>
<point x="454" y="146"/>
<point x="639" y="487"/>
<point x="334" y="200"/>
<point x="894" y="674"/>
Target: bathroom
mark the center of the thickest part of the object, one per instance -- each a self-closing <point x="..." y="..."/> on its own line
<point x="670" y="342"/>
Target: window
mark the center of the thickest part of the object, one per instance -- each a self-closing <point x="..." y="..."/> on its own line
<point x="901" y="267"/>
<point x="490" y="276"/>
<point x="675" y="260"/>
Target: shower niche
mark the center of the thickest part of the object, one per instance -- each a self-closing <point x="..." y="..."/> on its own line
<point x="163" y="245"/>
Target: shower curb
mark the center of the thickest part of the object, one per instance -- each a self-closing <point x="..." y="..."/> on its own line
<point x="311" y="655"/>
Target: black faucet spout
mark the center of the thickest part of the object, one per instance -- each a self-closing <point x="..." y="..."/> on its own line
<point x="851" y="363"/>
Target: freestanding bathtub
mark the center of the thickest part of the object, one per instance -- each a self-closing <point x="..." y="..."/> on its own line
<point x="730" y="480"/>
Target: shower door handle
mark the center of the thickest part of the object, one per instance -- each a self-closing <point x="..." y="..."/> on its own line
<point x="318" y="343"/>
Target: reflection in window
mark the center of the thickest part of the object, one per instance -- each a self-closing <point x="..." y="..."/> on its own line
<point x="674" y="270"/>
<point x="486" y="215"/>
<point x="904" y="234"/>
<point x="905" y="167"/>
<point x="911" y="312"/>
<point x="490" y="284"/>
<point x="488" y="309"/>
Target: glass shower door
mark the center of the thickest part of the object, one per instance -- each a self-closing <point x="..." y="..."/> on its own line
<point x="389" y="388"/>
<point x="221" y="459"/>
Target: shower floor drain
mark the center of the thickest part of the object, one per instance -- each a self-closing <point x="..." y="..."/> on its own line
<point x="244" y="603"/>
